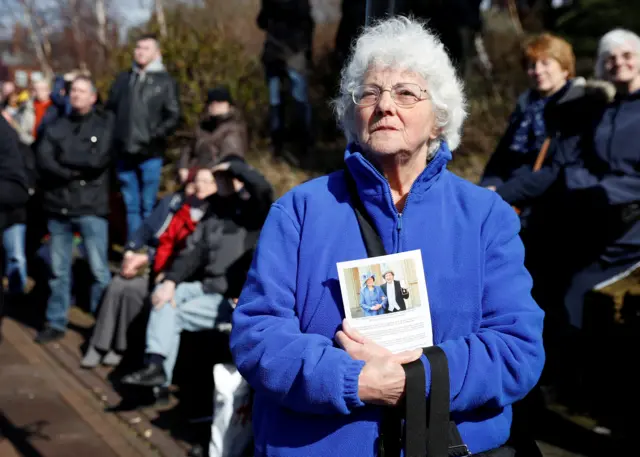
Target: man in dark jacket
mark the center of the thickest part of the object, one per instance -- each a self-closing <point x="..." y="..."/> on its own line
<point x="287" y="55"/>
<point x="218" y="256"/>
<point x="73" y="159"/>
<point x="14" y="191"/>
<point x="394" y="292"/>
<point x="147" y="109"/>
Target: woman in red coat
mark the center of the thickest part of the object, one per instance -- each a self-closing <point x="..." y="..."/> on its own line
<point x="173" y="240"/>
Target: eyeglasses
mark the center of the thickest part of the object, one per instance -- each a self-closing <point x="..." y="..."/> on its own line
<point x="403" y="94"/>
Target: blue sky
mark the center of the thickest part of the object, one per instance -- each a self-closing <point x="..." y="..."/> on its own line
<point x="133" y="11"/>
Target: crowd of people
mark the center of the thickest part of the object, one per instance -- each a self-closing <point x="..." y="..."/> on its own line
<point x="508" y="262"/>
<point x="187" y="254"/>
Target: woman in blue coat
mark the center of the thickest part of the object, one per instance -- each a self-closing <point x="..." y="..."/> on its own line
<point x="320" y="388"/>
<point x="372" y="299"/>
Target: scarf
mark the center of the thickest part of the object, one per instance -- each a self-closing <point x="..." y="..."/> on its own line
<point x="531" y="132"/>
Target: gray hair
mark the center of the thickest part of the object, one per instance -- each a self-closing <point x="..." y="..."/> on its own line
<point x="610" y="41"/>
<point x="86" y="79"/>
<point x="405" y="43"/>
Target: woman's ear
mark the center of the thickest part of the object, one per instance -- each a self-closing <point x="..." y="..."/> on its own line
<point x="435" y="132"/>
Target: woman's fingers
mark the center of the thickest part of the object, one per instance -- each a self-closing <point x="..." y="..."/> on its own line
<point x="346" y="343"/>
<point x="407" y="356"/>
<point x="352" y="332"/>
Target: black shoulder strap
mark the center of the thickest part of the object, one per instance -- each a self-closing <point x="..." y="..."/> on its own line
<point x="439" y="436"/>
<point x="372" y="240"/>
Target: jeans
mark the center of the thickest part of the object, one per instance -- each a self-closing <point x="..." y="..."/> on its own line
<point x="14" y="242"/>
<point x="194" y="311"/>
<point x="94" y="231"/>
<point x="139" y="184"/>
<point x="299" y="93"/>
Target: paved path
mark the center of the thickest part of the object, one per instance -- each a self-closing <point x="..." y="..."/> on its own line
<point x="44" y="412"/>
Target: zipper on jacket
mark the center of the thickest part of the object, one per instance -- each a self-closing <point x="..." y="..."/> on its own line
<point x="399" y="231"/>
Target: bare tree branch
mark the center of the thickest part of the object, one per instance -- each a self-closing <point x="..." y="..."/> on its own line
<point x="40" y="41"/>
<point x="159" y="9"/>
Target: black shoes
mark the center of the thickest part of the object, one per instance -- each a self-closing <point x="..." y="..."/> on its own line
<point x="150" y="376"/>
<point x="48" y="335"/>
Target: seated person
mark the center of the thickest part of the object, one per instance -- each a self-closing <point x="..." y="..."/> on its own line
<point x="199" y="288"/>
<point x="165" y="229"/>
<point x="183" y="224"/>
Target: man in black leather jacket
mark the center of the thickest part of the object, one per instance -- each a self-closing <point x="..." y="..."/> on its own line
<point x="73" y="160"/>
<point x="147" y="109"/>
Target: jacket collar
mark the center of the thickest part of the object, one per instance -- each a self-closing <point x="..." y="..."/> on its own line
<point x="371" y="183"/>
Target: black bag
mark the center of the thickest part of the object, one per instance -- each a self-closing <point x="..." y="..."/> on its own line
<point x="439" y="436"/>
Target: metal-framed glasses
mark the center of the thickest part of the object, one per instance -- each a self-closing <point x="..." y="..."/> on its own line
<point x="403" y="94"/>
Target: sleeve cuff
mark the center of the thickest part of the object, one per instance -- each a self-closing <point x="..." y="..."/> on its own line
<point x="351" y="375"/>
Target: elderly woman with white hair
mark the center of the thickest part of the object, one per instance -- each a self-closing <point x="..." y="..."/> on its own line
<point x="320" y="387"/>
<point x="602" y="178"/>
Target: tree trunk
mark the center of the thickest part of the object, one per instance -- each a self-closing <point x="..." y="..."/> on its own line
<point x="78" y="38"/>
<point x="161" y="19"/>
<point x="40" y="43"/>
<point x="101" y="20"/>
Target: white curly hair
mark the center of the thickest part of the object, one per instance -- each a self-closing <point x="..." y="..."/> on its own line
<point x="408" y="44"/>
<point x="610" y="41"/>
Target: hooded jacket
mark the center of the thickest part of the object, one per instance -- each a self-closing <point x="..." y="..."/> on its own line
<point x="216" y="138"/>
<point x="147" y="110"/>
<point x="601" y="178"/>
<point x="569" y="112"/>
<point x="482" y="313"/>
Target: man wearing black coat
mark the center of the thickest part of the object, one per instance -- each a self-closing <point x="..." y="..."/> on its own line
<point x="396" y="295"/>
<point x="73" y="159"/>
<point x="145" y="102"/>
<point x="14" y="192"/>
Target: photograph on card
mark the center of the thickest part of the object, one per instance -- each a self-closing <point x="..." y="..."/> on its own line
<point x="386" y="298"/>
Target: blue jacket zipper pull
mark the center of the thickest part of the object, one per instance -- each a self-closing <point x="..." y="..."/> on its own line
<point x="399" y="222"/>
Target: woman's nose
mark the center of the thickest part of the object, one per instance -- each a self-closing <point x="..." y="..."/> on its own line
<point x="386" y="103"/>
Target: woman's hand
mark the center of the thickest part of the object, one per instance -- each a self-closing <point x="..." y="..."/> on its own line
<point x="376" y="307"/>
<point x="164" y="293"/>
<point x="132" y="263"/>
<point x="382" y="379"/>
<point x="358" y="346"/>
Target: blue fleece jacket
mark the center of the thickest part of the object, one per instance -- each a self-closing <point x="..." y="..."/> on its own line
<point x="306" y="388"/>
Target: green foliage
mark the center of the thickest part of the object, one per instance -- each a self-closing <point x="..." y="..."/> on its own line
<point x="584" y="24"/>
<point x="201" y="56"/>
